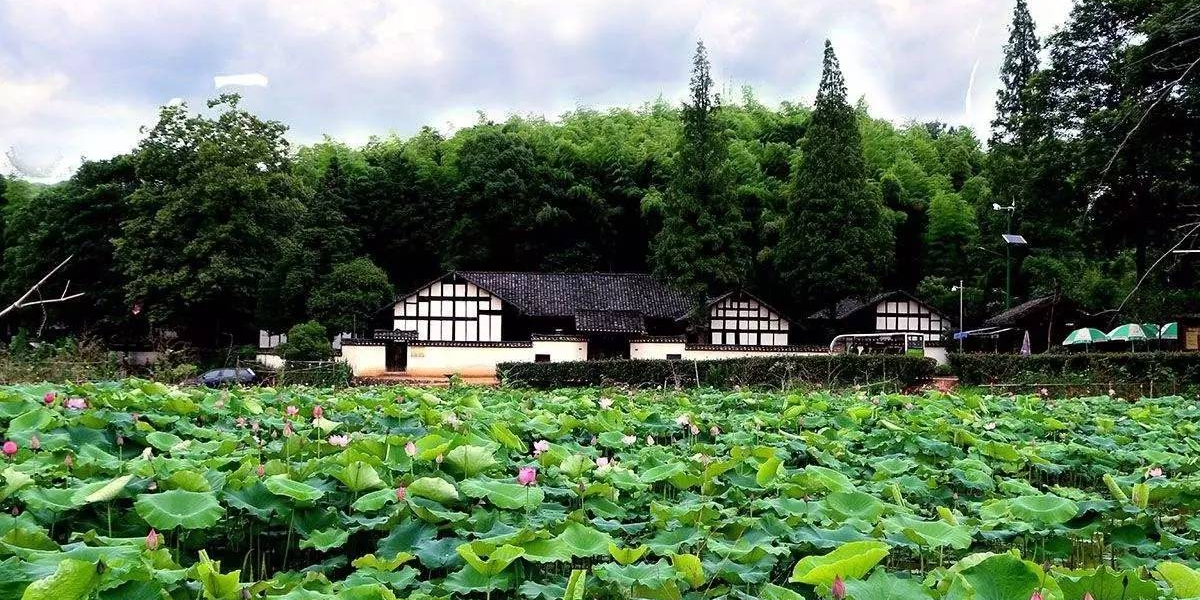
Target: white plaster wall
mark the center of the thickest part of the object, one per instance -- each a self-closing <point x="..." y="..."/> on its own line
<point x="365" y="360"/>
<point x="938" y="354"/>
<point x="560" y="350"/>
<point x="734" y="353"/>
<point x="271" y="361"/>
<point x="442" y="360"/>
<point x="656" y="350"/>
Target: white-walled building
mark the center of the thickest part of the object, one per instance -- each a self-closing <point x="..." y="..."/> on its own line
<point x="467" y="322"/>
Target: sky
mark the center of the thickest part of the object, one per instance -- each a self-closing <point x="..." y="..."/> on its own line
<point x="79" y="78"/>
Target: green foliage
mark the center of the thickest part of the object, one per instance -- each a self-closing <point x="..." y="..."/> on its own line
<point x="215" y="197"/>
<point x="779" y="494"/>
<point x="347" y="298"/>
<point x="306" y="341"/>
<point x="835" y="241"/>
<point x="892" y="371"/>
<point x="700" y="248"/>
<point x="1163" y="368"/>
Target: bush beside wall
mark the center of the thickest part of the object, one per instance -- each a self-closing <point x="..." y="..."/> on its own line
<point x="1163" y="368"/>
<point x="843" y="370"/>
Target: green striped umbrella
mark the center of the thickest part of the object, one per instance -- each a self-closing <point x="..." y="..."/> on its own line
<point x="1128" y="332"/>
<point x="1086" y="335"/>
<point x="1151" y="330"/>
<point x="1169" y="331"/>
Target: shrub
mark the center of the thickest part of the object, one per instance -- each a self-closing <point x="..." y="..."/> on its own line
<point x="306" y="341"/>
<point x="323" y="374"/>
<point x="1165" y="368"/>
<point x="885" y="371"/>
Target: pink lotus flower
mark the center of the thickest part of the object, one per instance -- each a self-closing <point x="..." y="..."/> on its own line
<point x="606" y="403"/>
<point x="1088" y="596"/>
<point x="261" y="470"/>
<point x="318" y="412"/>
<point x="1154" y="472"/>
<point x="240" y="421"/>
<point x="68" y="461"/>
<point x="254" y="426"/>
<point x="1036" y="595"/>
<point x="35" y="443"/>
<point x="629" y="440"/>
<point x="527" y="476"/>
<point x="694" y="430"/>
<point x="401" y="493"/>
<point x="287" y="429"/>
<point x="602" y="462"/>
<point x="48" y="398"/>
<point x="152" y="540"/>
<point x="410" y="449"/>
<point x="540" y="446"/>
<point x="340" y="441"/>
<point x="1044" y="392"/>
<point x="714" y="431"/>
<point x="438" y="459"/>
<point x="838" y="589"/>
<point x="76" y="403"/>
<point x="10" y="448"/>
<point x="291" y="410"/>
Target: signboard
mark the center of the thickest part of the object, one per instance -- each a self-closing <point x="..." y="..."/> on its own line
<point x="1191" y="338"/>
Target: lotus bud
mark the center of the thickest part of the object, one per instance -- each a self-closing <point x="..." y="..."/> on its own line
<point x="410" y="449"/>
<point x="245" y="594"/>
<point x="147" y="453"/>
<point x="714" y="431"/>
<point x="152" y="486"/>
<point x="838" y="589"/>
<point x="1088" y="596"/>
<point x="35" y="443"/>
<point x="120" y="440"/>
<point x="48" y="399"/>
<point x="261" y="470"/>
<point x="318" y="412"/>
<point x="287" y="429"/>
<point x="254" y="426"/>
<point x="602" y="462"/>
<point x="16" y="511"/>
<point x="69" y="461"/>
<point x="1037" y="595"/>
<point x="10" y="448"/>
<point x="683" y="420"/>
<point x="76" y="403"/>
<point x="438" y="459"/>
<point x="649" y="440"/>
<point x="527" y="476"/>
<point x="152" y="540"/>
<point x="401" y="493"/>
<point x="540" y="446"/>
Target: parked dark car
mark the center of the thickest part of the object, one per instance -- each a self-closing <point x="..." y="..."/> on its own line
<point x="225" y="377"/>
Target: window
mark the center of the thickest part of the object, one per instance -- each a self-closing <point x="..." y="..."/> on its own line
<point x="674" y="357"/>
<point x="541" y="358"/>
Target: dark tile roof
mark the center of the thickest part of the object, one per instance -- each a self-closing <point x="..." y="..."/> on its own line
<point x="848" y="306"/>
<point x="1019" y="312"/>
<point x="568" y="294"/>
<point x="610" y="321"/>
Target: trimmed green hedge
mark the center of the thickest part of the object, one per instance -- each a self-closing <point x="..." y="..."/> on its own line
<point x="1168" y="368"/>
<point x="842" y="370"/>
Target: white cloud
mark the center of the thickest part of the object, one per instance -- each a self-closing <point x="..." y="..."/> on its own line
<point x="79" y="78"/>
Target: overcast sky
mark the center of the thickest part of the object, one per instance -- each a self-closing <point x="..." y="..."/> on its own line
<point x="78" y="78"/>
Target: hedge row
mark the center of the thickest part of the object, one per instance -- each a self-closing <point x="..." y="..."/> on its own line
<point x="1167" y="368"/>
<point x="843" y="370"/>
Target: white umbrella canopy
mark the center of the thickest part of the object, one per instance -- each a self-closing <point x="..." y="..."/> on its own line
<point x="1085" y="335"/>
<point x="1129" y="332"/>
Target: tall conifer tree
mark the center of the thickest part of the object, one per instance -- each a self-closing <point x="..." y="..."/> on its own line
<point x="699" y="248"/>
<point x="1015" y="103"/>
<point x="835" y="241"/>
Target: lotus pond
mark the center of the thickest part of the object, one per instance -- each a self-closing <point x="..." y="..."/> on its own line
<point x="135" y="490"/>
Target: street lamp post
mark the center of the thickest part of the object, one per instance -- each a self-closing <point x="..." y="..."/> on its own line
<point x="1007" y="253"/>
<point x="959" y="288"/>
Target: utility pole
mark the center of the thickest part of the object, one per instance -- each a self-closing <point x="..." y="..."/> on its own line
<point x="1009" y="240"/>
<point x="959" y="288"/>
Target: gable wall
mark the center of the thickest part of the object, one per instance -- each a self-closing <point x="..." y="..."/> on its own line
<point x="742" y="321"/>
<point x="449" y="311"/>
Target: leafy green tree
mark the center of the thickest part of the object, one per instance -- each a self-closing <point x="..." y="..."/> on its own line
<point x="322" y="238"/>
<point x="836" y="241"/>
<point x="951" y="237"/>
<point x="216" y="197"/>
<point x="306" y="341"/>
<point x="700" y="249"/>
<point x="348" y="297"/>
<point x="1016" y="110"/>
<point x="78" y="217"/>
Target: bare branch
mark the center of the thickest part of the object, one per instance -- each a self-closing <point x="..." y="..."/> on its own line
<point x="21" y="302"/>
